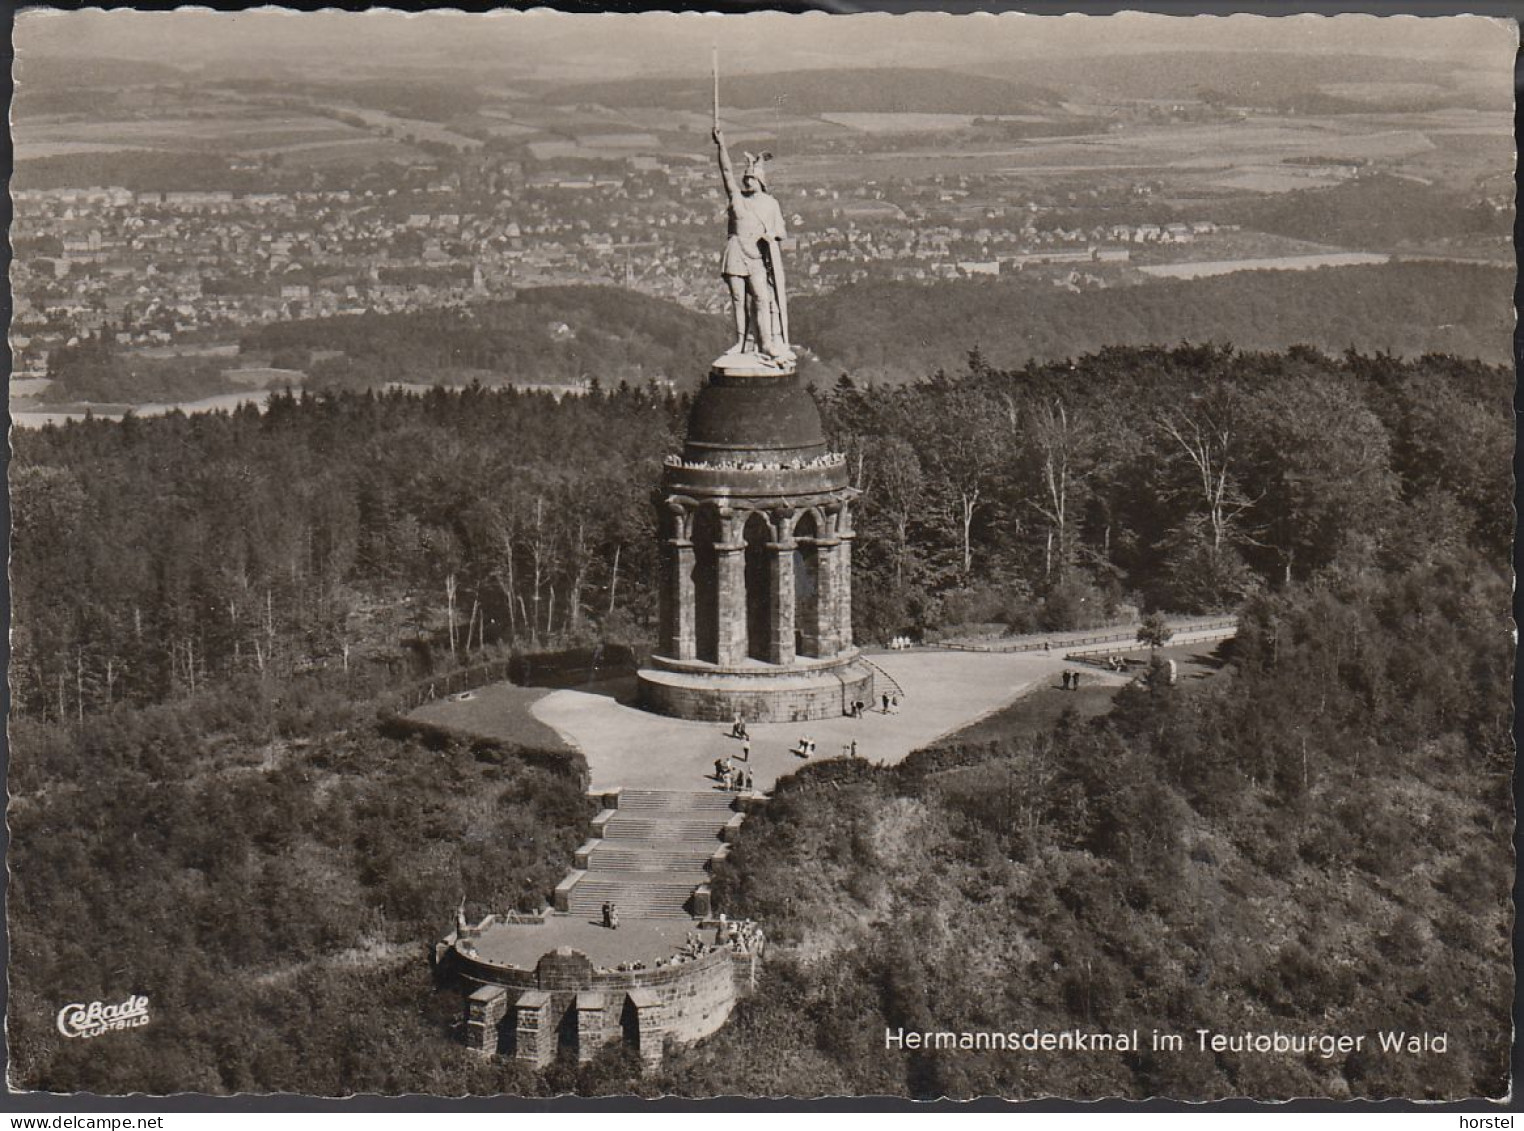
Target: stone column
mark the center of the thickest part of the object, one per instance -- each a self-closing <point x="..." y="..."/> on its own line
<point x="780" y="581"/>
<point x="592" y="1025"/>
<point x="485" y="1009"/>
<point x="730" y="586"/>
<point x="683" y="642"/>
<point x="536" y="1028"/>
<point x="743" y="970"/>
<point x="648" y="1026"/>
<point x="828" y="594"/>
<point x="844" y="593"/>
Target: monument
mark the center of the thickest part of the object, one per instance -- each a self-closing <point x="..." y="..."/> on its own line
<point x="752" y="266"/>
<point x="755" y="515"/>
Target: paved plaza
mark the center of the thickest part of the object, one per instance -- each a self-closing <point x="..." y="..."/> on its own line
<point x="636" y="940"/>
<point x="945" y="691"/>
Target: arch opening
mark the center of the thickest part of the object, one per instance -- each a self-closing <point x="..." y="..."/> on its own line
<point x="706" y="590"/>
<point x="759" y="603"/>
<point x="806" y="564"/>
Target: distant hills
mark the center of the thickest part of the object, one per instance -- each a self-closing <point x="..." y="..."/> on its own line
<point x="1279" y="79"/>
<point x="896" y="332"/>
<point x="1373" y="212"/>
<point x="557" y="335"/>
<point x="1284" y="80"/>
<point x="862" y="91"/>
<point x="39" y="72"/>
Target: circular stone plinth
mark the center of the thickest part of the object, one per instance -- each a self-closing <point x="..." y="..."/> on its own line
<point x="767" y="696"/>
<point x="751" y="364"/>
<point x="755" y="669"/>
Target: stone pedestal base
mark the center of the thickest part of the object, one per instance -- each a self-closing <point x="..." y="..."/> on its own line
<point x="759" y="694"/>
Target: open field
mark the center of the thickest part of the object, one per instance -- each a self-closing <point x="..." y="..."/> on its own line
<point x="1247" y="156"/>
<point x="264" y="377"/>
<point x="354" y="153"/>
<point x="1227" y="245"/>
<point x="503" y="122"/>
<point x="1215" y="155"/>
<point x="1206" y="268"/>
<point x="222" y="402"/>
<point x="178" y="133"/>
<point x="405" y="127"/>
<point x="39" y="149"/>
<point x="188" y="349"/>
<point x="1381" y="93"/>
<point x="1284" y="178"/>
<point x="903" y="122"/>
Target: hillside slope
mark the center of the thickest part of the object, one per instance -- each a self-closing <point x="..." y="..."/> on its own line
<point x="904" y="331"/>
<point x="876" y="90"/>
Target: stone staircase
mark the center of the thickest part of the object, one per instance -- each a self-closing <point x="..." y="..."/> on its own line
<point x="880" y="674"/>
<point x="649" y="853"/>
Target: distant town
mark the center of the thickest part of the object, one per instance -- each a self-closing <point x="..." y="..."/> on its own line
<point x="164" y="213"/>
<point x="181" y="266"/>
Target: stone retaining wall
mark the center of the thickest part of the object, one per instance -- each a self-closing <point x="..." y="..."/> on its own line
<point x="720" y="699"/>
<point x="530" y="1014"/>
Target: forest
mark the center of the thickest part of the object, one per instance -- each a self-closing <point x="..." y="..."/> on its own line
<point x="158" y="557"/>
<point x="1376" y="211"/>
<point x="554" y="335"/>
<point x="543" y="336"/>
<point x="884" y="333"/>
<point x="267" y="864"/>
<point x="208" y="806"/>
<point x="1316" y="841"/>
<point x="902" y="331"/>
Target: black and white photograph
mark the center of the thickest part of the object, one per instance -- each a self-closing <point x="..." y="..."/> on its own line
<point x="774" y="555"/>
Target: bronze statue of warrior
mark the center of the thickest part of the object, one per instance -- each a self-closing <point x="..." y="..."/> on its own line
<point x="753" y="263"/>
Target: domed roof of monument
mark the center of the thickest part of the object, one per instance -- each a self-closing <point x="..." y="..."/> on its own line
<point x="773" y="417"/>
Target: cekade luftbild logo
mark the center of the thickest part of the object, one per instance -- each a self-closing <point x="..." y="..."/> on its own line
<point x="92" y="1020"/>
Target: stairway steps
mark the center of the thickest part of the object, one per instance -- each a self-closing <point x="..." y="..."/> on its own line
<point x="649" y="853"/>
<point x="641" y="859"/>
<point x="628" y="906"/>
<point x="702" y="847"/>
<point x="663" y="800"/>
<point x="639" y="895"/>
<point x="627" y="900"/>
<point x="645" y="860"/>
<point x="645" y="828"/>
<point x="689" y="877"/>
<point x="651" y="913"/>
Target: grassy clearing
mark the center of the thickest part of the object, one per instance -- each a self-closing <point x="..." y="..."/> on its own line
<point x="501" y="712"/>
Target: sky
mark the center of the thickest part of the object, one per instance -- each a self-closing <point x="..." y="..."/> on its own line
<point x="557" y="46"/>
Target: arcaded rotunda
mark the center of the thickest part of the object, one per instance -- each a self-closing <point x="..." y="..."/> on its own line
<point x="756" y="551"/>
